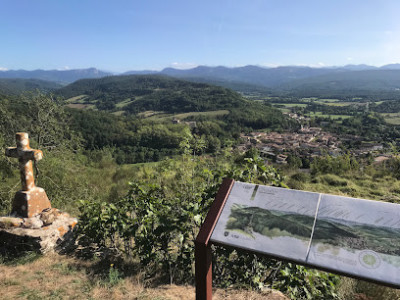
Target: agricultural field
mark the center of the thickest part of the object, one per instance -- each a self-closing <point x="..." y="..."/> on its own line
<point x="285" y="110"/>
<point x="154" y="115"/>
<point x="81" y="102"/>
<point x="77" y="99"/>
<point x="81" y="106"/>
<point x="322" y="115"/>
<point x="124" y="103"/>
<point x="328" y="100"/>
<point x="334" y="103"/>
<point x="327" y="108"/>
<point x="310" y="99"/>
<point x="392" y="118"/>
<point x="290" y="104"/>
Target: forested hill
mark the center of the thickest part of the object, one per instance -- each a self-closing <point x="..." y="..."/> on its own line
<point x="138" y="93"/>
<point x="15" y="86"/>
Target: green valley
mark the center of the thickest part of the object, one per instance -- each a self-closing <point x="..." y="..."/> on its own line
<point x="159" y="147"/>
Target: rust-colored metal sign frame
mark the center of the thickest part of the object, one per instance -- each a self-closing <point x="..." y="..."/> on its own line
<point x="203" y="255"/>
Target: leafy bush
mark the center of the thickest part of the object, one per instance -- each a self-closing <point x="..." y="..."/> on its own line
<point x="303" y="283"/>
<point x="392" y="167"/>
<point x="163" y="221"/>
<point x="334" y="165"/>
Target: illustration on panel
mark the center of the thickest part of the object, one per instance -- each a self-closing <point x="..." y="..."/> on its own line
<point x="271" y="223"/>
<point x="358" y="236"/>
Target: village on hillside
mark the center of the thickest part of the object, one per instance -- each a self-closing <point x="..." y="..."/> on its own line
<point x="308" y="142"/>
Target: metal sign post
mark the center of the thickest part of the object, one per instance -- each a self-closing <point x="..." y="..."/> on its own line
<point x="203" y="255"/>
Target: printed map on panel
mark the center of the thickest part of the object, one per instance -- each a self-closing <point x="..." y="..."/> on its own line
<point x="353" y="236"/>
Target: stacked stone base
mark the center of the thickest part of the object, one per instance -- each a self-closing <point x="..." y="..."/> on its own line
<point x="29" y="203"/>
<point x="40" y="233"/>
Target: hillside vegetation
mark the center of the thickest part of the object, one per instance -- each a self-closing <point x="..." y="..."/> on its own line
<point x="138" y="93"/>
<point x="145" y="130"/>
<point x="15" y="86"/>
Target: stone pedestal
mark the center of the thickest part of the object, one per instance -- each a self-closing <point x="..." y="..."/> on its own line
<point x="29" y="203"/>
<point x="41" y="233"/>
<point x="35" y="225"/>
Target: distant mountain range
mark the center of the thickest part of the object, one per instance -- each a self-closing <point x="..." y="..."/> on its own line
<point x="287" y="78"/>
<point x="353" y="83"/>
<point x="58" y="76"/>
<point x="353" y="78"/>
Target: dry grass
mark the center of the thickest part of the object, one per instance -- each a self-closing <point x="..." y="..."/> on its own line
<point x="60" y="277"/>
<point x="350" y="289"/>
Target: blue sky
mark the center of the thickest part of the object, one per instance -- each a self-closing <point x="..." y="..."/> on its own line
<point x="124" y="35"/>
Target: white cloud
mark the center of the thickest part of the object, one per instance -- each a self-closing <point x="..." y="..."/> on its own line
<point x="270" y="65"/>
<point x="3" y="69"/>
<point x="314" y="65"/>
<point x="183" y="66"/>
<point x="65" y="68"/>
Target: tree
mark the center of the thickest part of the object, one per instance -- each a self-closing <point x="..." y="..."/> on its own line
<point x="47" y="123"/>
<point x="294" y="161"/>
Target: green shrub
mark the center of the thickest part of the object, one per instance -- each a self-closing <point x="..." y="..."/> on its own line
<point x="302" y="177"/>
<point x="333" y="180"/>
<point x="295" y="184"/>
<point x="302" y="283"/>
<point x="297" y="181"/>
<point x="334" y="165"/>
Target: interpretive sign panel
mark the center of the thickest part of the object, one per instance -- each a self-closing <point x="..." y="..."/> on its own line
<point x="358" y="237"/>
<point x="347" y="235"/>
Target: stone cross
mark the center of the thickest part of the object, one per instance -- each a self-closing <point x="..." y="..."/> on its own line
<point x="31" y="199"/>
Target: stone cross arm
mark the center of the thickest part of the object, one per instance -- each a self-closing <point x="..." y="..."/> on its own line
<point x="25" y="155"/>
<point x="28" y="154"/>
